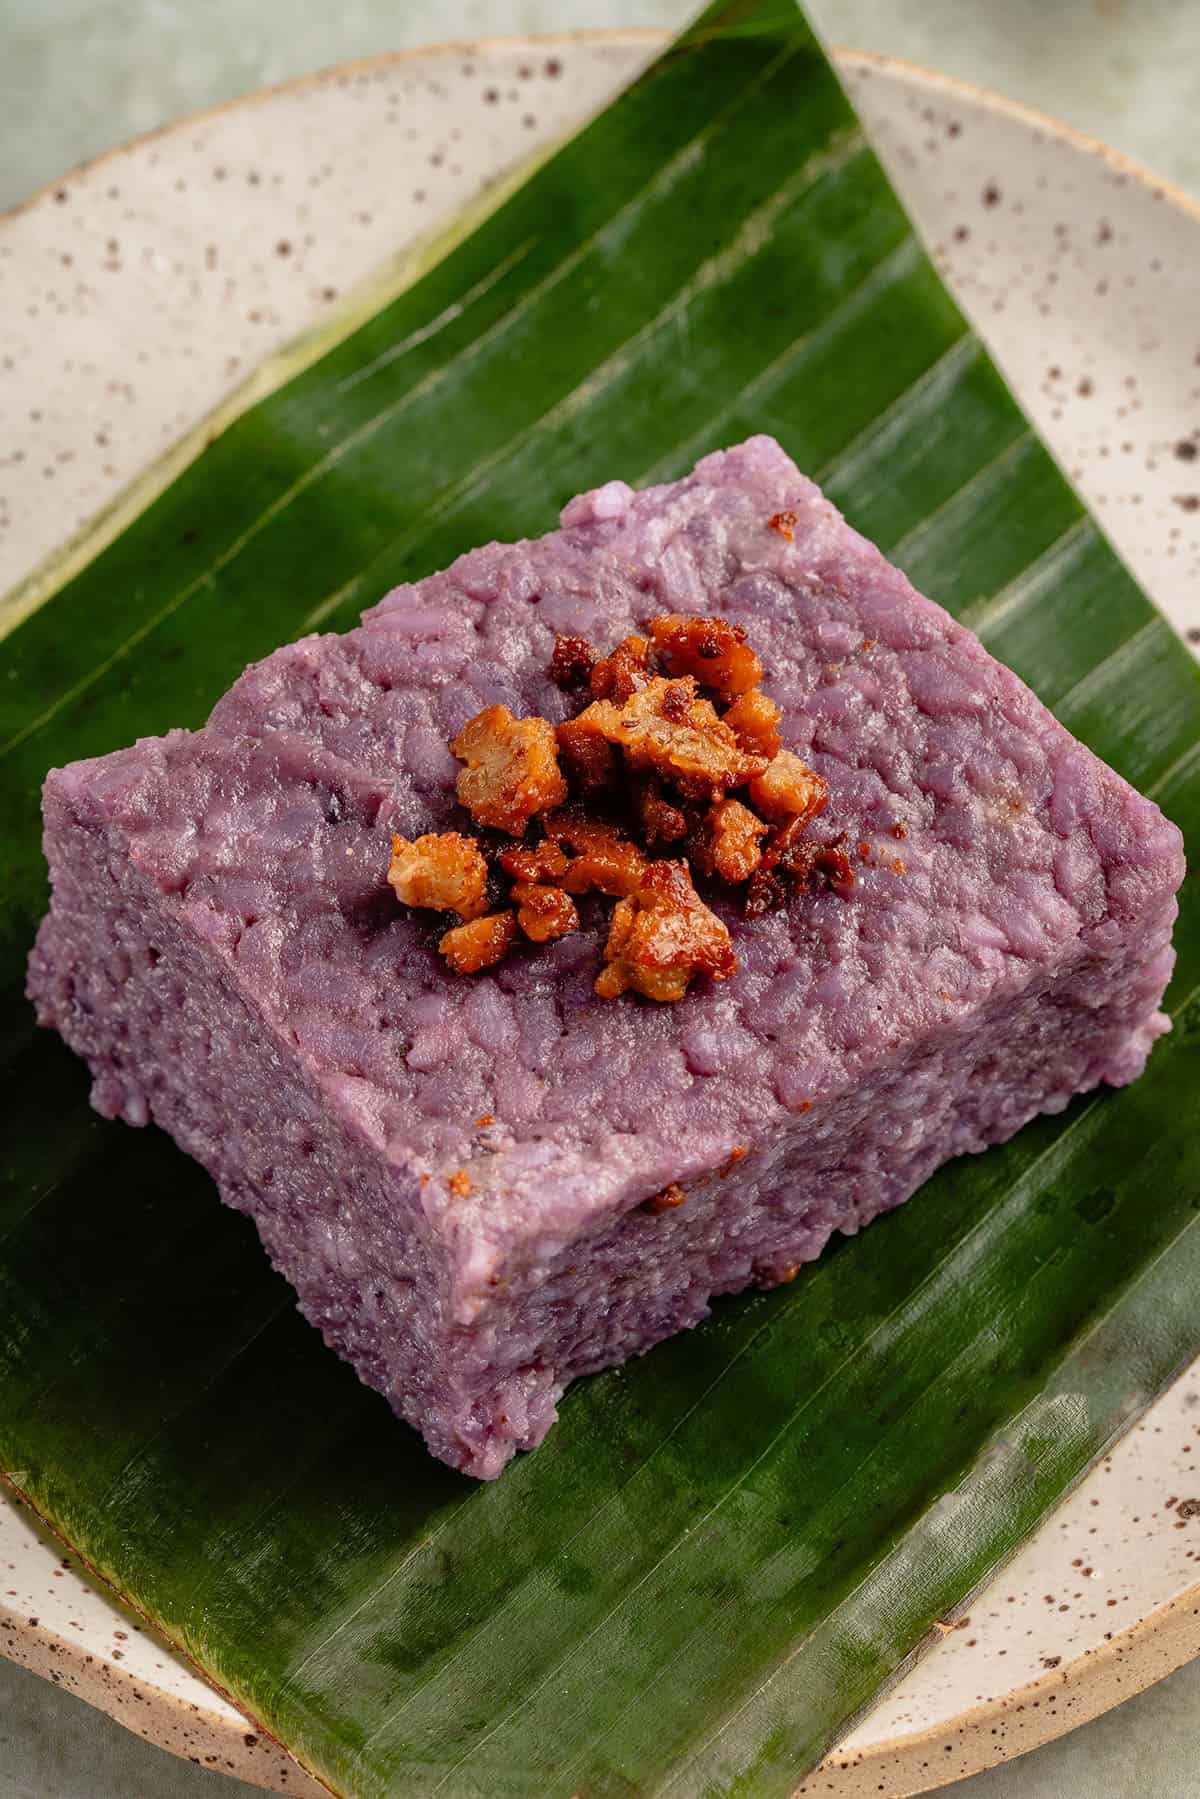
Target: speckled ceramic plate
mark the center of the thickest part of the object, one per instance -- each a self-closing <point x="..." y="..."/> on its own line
<point x="137" y="299"/>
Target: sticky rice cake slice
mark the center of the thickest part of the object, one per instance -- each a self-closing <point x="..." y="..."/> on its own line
<point x="453" y="1172"/>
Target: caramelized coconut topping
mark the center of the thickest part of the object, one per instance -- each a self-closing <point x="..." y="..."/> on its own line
<point x="713" y="651"/>
<point x="754" y="720"/>
<point x="544" y="913"/>
<point x="603" y="860"/>
<point x="512" y="769"/>
<point x="649" y="762"/>
<point x="662" y="936"/>
<point x="667" y="730"/>
<point x="592" y="765"/>
<point x="792" y="863"/>
<point x="618" y="677"/>
<point x="480" y="944"/>
<point x="727" y="842"/>
<point x="572" y="662"/>
<point x="544" y="862"/>
<point x="787" y="789"/>
<point x="446" y="872"/>
<point x="659" y="820"/>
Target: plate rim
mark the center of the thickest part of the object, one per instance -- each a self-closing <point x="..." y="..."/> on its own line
<point x="104" y="1684"/>
<point x="1172" y="1629"/>
<point x="1136" y="1657"/>
<point x="650" y="37"/>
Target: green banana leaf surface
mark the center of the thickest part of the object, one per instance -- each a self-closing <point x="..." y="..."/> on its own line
<point x="724" y="1550"/>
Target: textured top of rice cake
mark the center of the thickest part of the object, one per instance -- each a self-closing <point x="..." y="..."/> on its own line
<point x="270" y="831"/>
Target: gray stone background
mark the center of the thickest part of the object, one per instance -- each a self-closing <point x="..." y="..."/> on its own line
<point x="77" y="76"/>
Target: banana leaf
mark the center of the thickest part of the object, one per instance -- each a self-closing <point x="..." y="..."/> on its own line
<point x="723" y="1551"/>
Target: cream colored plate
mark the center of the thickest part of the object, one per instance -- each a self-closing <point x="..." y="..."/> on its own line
<point x="138" y="294"/>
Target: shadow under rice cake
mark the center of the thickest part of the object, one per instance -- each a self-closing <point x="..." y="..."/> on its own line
<point x="484" y="1184"/>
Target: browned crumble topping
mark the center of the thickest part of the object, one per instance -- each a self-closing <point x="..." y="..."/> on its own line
<point x="767" y="892"/>
<point x="592" y="764"/>
<point x="754" y="720"/>
<point x="727" y="842"/>
<point x="788" y="842"/>
<point x="512" y="769"/>
<point x="662" y="936"/>
<point x="898" y="830"/>
<point x="648" y="762"/>
<point x="544" y="913"/>
<point x="713" y="651"/>
<point x="667" y="729"/>
<point x="667" y="1200"/>
<point x="603" y="860"/>
<point x="545" y="861"/>
<point x="460" y="1183"/>
<point x="787" y="789"/>
<point x="811" y="864"/>
<point x="737" y="1154"/>
<point x="660" y="821"/>
<point x="484" y="1119"/>
<point x="618" y="677"/>
<point x="480" y="944"/>
<point x="791" y="863"/>
<point x="784" y="523"/>
<point x="445" y="872"/>
<point x="572" y="661"/>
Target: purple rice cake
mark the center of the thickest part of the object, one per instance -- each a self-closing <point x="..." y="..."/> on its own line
<point x="454" y="1172"/>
